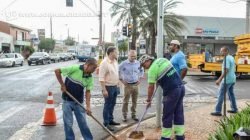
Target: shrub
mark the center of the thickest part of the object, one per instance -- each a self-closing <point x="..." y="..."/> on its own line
<point x="229" y="125"/>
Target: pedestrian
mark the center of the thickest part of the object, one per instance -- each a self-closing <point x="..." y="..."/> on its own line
<point x="77" y="78"/>
<point x="228" y="72"/>
<point x="109" y="79"/>
<point x="130" y="74"/>
<point x="162" y="72"/>
<point x="178" y="58"/>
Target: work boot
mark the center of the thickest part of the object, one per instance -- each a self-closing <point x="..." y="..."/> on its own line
<point x="114" y="123"/>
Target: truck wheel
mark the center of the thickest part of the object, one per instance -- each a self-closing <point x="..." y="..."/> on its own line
<point x="217" y="74"/>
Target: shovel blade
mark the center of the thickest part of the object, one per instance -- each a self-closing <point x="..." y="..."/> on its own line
<point x="136" y="135"/>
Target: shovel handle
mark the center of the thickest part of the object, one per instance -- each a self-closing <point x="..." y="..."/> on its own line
<point x="93" y="117"/>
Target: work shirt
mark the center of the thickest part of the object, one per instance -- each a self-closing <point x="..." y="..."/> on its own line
<point x="76" y="80"/>
<point x="230" y="65"/>
<point x="178" y="61"/>
<point x="108" y="72"/>
<point x="169" y="80"/>
<point x="130" y="72"/>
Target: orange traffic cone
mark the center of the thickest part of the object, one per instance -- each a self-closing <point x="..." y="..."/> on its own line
<point x="50" y="114"/>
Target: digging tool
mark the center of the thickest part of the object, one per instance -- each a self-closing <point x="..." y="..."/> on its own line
<point x="135" y="134"/>
<point x="93" y="117"/>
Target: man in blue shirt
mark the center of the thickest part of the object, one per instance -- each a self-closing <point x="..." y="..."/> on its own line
<point x="130" y="73"/>
<point x="229" y="73"/>
<point x="178" y="59"/>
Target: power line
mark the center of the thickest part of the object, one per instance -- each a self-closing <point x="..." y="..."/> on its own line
<point x="9" y="5"/>
<point x="89" y="7"/>
<point x="233" y="1"/>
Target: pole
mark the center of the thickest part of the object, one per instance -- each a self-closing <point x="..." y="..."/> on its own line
<point x="159" y="42"/>
<point x="51" y="34"/>
<point x="100" y="27"/>
<point x="248" y="16"/>
<point x="225" y="88"/>
<point x="103" y="38"/>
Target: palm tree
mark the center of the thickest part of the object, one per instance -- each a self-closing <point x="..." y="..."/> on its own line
<point x="173" y="23"/>
<point x="126" y="10"/>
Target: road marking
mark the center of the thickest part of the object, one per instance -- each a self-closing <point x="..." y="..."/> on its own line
<point x="29" y="129"/>
<point x="13" y="71"/>
<point x="10" y="112"/>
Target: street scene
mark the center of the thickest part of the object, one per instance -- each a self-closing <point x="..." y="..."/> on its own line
<point x="124" y="70"/>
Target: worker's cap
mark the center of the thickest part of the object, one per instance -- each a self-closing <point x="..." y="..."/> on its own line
<point x="176" y="42"/>
<point x="144" y="58"/>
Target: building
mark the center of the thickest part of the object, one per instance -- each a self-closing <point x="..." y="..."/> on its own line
<point x="210" y="34"/>
<point x="21" y="36"/>
<point x="6" y="43"/>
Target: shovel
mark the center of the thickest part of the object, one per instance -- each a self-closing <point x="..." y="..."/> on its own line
<point x="93" y="117"/>
<point x="135" y="134"/>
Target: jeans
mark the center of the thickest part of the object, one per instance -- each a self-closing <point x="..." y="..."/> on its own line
<point x="230" y="91"/>
<point x="109" y="104"/>
<point x="68" y="108"/>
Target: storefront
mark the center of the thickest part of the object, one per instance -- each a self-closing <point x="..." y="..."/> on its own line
<point x="6" y="43"/>
<point x="210" y="34"/>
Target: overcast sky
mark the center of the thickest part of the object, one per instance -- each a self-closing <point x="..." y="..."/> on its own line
<point x="34" y="14"/>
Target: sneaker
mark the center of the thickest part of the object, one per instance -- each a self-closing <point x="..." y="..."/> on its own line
<point x="114" y="123"/>
<point x="232" y="111"/>
<point x="135" y="118"/>
<point x="216" y="114"/>
<point x="110" y="128"/>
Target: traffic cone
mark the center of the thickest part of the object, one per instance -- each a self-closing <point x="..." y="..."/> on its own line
<point x="50" y="114"/>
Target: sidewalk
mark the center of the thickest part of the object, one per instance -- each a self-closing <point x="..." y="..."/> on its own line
<point x="198" y="124"/>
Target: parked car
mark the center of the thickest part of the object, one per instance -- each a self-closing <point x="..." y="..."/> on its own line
<point x="39" y="57"/>
<point x="63" y="57"/>
<point x="70" y="56"/>
<point x="11" y="59"/>
<point x="54" y="57"/>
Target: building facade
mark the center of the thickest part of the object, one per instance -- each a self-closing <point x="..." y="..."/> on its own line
<point x="21" y="36"/>
<point x="6" y="43"/>
<point x="210" y="34"/>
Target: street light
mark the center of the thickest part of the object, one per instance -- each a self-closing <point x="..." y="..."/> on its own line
<point x="67" y="29"/>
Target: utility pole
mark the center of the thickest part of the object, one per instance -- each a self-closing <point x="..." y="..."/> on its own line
<point x="103" y="38"/>
<point x="159" y="44"/>
<point x="100" y="28"/>
<point x="51" y="34"/>
<point x="248" y="16"/>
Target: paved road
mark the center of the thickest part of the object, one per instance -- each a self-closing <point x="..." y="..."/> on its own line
<point x="24" y="90"/>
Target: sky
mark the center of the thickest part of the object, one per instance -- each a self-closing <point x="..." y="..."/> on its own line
<point x="82" y="22"/>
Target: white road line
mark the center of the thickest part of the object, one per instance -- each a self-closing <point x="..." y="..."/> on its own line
<point x="13" y="71"/>
<point x="189" y="89"/>
<point x="29" y="129"/>
<point x="10" y="112"/>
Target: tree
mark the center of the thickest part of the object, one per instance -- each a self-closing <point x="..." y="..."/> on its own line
<point x="173" y="23"/>
<point x="47" y="44"/>
<point x="126" y="10"/>
<point x="123" y="47"/>
<point x="27" y="51"/>
<point x="69" y="41"/>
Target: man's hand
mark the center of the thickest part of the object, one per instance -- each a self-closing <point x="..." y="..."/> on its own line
<point x="218" y="82"/>
<point x="124" y="83"/>
<point x="138" y="82"/>
<point x="63" y="88"/>
<point x="88" y="111"/>
<point x="105" y="93"/>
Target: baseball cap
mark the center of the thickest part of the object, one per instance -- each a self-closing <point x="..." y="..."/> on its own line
<point x="175" y="42"/>
<point x="144" y="58"/>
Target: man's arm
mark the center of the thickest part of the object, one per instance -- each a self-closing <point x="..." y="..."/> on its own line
<point x="102" y="73"/>
<point x="59" y="78"/>
<point x="183" y="73"/>
<point x="222" y="76"/>
<point x="88" y="96"/>
<point x="151" y="88"/>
